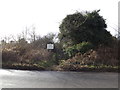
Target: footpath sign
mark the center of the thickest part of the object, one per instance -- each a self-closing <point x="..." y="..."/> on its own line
<point x="50" y="46"/>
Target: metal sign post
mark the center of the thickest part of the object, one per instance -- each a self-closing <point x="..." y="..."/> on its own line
<point x="51" y="48"/>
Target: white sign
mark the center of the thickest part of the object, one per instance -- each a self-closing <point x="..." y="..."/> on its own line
<point x="50" y="46"/>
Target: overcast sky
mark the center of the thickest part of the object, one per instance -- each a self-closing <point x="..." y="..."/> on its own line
<point x="46" y="15"/>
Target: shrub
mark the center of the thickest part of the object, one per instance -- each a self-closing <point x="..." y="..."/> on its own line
<point x="102" y="57"/>
<point x="71" y="51"/>
<point x="9" y="57"/>
<point x="84" y="47"/>
<point x="35" y="56"/>
<point x="81" y="47"/>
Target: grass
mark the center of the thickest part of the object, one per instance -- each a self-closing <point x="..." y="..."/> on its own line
<point x="102" y="66"/>
<point x="51" y="65"/>
<point x="41" y="65"/>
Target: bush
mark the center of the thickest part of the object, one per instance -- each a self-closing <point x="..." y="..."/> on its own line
<point x="35" y="56"/>
<point x="81" y="47"/>
<point x="84" y="47"/>
<point x="71" y="51"/>
<point x="9" y="57"/>
<point x="101" y="58"/>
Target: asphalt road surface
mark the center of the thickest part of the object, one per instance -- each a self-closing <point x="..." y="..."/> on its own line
<point x="54" y="79"/>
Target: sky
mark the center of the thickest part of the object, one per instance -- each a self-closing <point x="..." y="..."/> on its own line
<point x="46" y="15"/>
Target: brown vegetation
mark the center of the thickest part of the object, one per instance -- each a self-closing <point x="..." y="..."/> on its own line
<point x="101" y="59"/>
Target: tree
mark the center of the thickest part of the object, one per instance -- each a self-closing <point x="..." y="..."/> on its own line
<point x="41" y="42"/>
<point x="88" y="27"/>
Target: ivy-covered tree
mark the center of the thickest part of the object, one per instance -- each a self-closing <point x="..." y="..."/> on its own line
<point x="88" y="27"/>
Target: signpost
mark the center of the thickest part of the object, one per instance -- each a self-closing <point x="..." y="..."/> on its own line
<point x="50" y="46"/>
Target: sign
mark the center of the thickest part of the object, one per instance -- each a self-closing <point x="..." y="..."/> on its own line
<point x="50" y="46"/>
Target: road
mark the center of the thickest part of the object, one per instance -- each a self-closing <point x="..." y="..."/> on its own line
<point x="54" y="79"/>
